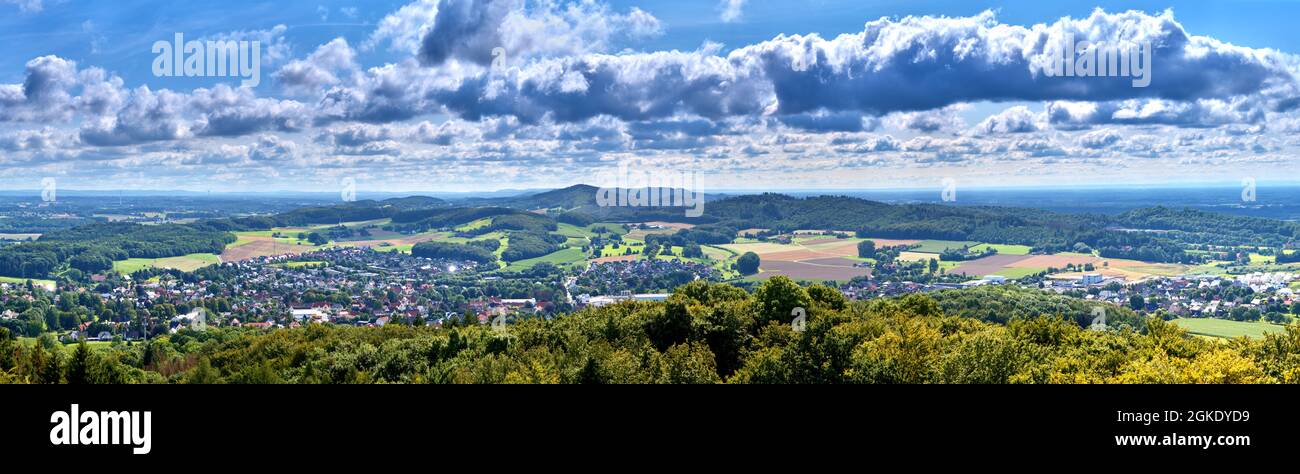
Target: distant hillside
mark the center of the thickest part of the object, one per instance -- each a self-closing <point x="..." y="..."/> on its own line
<point x="1193" y="225"/>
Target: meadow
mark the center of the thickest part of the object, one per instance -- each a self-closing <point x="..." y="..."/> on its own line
<point x="1224" y="328"/>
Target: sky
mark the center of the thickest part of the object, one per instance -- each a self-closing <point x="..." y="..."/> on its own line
<point x="481" y="95"/>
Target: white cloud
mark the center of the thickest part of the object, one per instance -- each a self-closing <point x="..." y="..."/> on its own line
<point x="731" y="10"/>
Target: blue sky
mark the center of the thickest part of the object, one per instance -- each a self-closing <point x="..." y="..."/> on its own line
<point x="404" y="96"/>
<point x="124" y="29"/>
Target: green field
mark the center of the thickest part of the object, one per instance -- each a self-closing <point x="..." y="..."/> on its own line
<point x="187" y="263"/>
<point x="48" y="284"/>
<point x="475" y="225"/>
<point x="1004" y="249"/>
<point x="939" y="246"/>
<point x="1224" y="328"/>
<point x="560" y="257"/>
<point x="71" y="346"/>
<point x="573" y="231"/>
<point x="610" y="251"/>
<point x="1259" y="259"/>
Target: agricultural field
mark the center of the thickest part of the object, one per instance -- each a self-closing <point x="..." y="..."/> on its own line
<point x="186" y="263"/>
<point x="47" y="284"/>
<point x="1225" y="328"/>
<point x="815" y="259"/>
<point x="1257" y="259"/>
<point x="475" y="225"/>
<point x="939" y="246"/>
<point x="99" y="345"/>
<point x="1003" y="249"/>
<point x="560" y="257"/>
<point x="250" y="246"/>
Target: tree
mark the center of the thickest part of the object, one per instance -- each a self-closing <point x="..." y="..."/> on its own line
<point x="867" y="249"/>
<point x="748" y="263"/>
<point x="778" y="297"/>
<point x="316" y="239"/>
<point x="79" y="366"/>
<point x="203" y="373"/>
<point x="1136" y="302"/>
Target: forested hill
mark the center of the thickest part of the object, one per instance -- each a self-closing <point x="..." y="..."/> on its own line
<point x="1211" y="228"/>
<point x="1153" y="234"/>
<point x="93" y="248"/>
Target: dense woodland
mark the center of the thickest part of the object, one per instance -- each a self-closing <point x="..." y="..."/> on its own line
<point x="93" y="248"/>
<point x="703" y="334"/>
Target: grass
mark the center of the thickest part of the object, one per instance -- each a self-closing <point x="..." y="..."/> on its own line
<point x="1257" y="259"/>
<point x="610" y="251"/>
<point x="187" y="263"/>
<point x="612" y="227"/>
<point x="572" y="231"/>
<point x="1162" y="269"/>
<point x="560" y="257"/>
<point x="475" y="225"/>
<point x="1225" y="328"/>
<point x="48" y="284"/>
<point x="939" y="246"/>
<point x="91" y="344"/>
<point x="1004" y="249"/>
<point x="1013" y="273"/>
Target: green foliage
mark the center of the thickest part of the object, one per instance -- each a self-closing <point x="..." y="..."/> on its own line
<point x="526" y="245"/>
<point x="867" y="249"/>
<point x="704" y="333"/>
<point x="748" y="263"/>
<point x="93" y="248"/>
<point x="446" y="250"/>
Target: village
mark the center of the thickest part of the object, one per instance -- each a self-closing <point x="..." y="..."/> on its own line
<point x="1251" y="297"/>
<point x="342" y="286"/>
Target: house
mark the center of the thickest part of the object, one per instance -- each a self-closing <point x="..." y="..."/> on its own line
<point x="1092" y="279"/>
<point x="301" y="314"/>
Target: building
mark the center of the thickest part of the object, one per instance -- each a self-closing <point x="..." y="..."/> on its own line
<point x="1092" y="279"/>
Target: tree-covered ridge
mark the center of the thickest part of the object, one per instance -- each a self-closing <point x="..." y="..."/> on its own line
<point x="1161" y="233"/>
<point x="703" y="334"/>
<point x="94" y="247"/>
<point x="348" y="212"/>
<point x="1193" y="225"/>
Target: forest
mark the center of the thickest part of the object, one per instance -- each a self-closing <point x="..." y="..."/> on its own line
<point x="705" y="333"/>
<point x="94" y="247"/>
